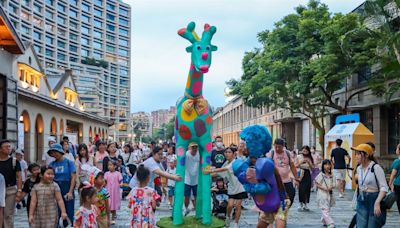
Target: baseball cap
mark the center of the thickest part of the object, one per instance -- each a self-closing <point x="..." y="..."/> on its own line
<point x="364" y="148"/>
<point x="19" y="151"/>
<point x="52" y="139"/>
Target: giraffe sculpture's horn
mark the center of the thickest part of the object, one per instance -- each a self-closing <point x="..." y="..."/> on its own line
<point x="189" y="33"/>
<point x="208" y="33"/>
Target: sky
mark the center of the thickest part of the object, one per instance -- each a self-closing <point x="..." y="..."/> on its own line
<point x="160" y="63"/>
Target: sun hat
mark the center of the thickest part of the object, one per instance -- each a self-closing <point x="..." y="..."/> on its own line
<point x="52" y="139"/>
<point x="364" y="148"/>
<point x="57" y="148"/>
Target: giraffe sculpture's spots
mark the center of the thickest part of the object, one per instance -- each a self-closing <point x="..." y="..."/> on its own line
<point x="197" y="87"/>
<point x="184" y="132"/>
<point x="196" y="74"/>
<point x="176" y="123"/>
<point x="199" y="127"/>
<point x="209" y="147"/>
<point x="182" y="162"/>
<point x="208" y="159"/>
<point x="188" y="82"/>
<point x="209" y="120"/>
<point x="188" y="117"/>
<point x="181" y="151"/>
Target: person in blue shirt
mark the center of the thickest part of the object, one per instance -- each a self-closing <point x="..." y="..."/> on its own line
<point x="65" y="177"/>
<point x="394" y="182"/>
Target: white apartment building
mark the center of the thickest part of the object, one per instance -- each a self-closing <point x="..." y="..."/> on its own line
<point x="91" y="37"/>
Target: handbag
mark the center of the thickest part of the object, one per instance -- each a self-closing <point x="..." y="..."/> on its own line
<point x="389" y="200"/>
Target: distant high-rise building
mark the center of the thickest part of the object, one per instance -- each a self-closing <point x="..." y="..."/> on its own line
<point x="91" y="37"/>
<point x="141" y="125"/>
<point x="162" y="116"/>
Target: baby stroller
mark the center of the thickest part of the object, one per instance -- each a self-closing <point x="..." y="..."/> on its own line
<point x="126" y="178"/>
<point x="220" y="203"/>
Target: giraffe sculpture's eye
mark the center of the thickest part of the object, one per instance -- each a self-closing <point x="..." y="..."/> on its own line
<point x="208" y="48"/>
<point x="198" y="48"/>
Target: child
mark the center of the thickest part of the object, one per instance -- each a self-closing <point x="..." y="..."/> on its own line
<point x="325" y="199"/>
<point x="113" y="180"/>
<point x="2" y="198"/>
<point x="86" y="216"/>
<point x="142" y="201"/>
<point x="103" y="220"/>
<point x="171" y="183"/>
<point x="34" y="169"/>
<point x="45" y="197"/>
<point x="220" y="197"/>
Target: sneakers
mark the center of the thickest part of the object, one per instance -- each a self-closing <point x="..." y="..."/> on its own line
<point x="228" y="222"/>
<point x="330" y="226"/>
<point x="341" y="195"/>
<point x="306" y="208"/>
<point x="235" y="225"/>
<point x="187" y="211"/>
<point x="301" y="207"/>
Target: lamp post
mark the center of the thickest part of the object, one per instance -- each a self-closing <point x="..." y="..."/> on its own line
<point x="130" y="137"/>
<point x="134" y="138"/>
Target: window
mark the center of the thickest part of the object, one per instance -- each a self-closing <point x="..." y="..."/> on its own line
<point x="61" y="32"/>
<point x="84" y="41"/>
<point x="110" y="27"/>
<point x="123" y="72"/>
<point x="37" y="48"/>
<point x="36" y="35"/>
<point x="60" y="44"/>
<point x="123" y="32"/>
<point x="61" y="20"/>
<point x="113" y="80"/>
<point x="73" y="2"/>
<point x="25" y="3"/>
<point x="12" y="8"/>
<point x="123" y="22"/>
<point x="73" y="59"/>
<point x="84" y="52"/>
<point x="97" y="45"/>
<point x="73" y="37"/>
<point x="110" y="7"/>
<point x="73" y="13"/>
<point x="49" y="52"/>
<point x="25" y="29"/>
<point x="73" y="48"/>
<point x="37" y="8"/>
<point x="98" y="13"/>
<point x="122" y="52"/>
<point x="110" y="17"/>
<point x="97" y="55"/>
<point x="364" y="75"/>
<point x="123" y="82"/>
<point x="85" y="7"/>
<point x="85" y="18"/>
<point x="123" y="12"/>
<point x="49" y="40"/>
<point x="113" y="100"/>
<point x="97" y="34"/>
<point x="61" y="56"/>
<point x="49" y="2"/>
<point x="97" y="23"/>
<point x="98" y="2"/>
<point x="73" y="25"/>
<point x="123" y="102"/>
<point x="48" y="14"/>
<point x="25" y="16"/>
<point x="110" y="48"/>
<point x="110" y="38"/>
<point x="61" y="8"/>
<point x="85" y="30"/>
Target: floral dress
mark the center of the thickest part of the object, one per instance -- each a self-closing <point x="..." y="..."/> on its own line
<point x="87" y="217"/>
<point x="324" y="199"/>
<point x="140" y="201"/>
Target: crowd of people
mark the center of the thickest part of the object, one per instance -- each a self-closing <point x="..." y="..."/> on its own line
<point x="103" y="174"/>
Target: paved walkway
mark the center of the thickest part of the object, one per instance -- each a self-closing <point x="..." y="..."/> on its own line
<point x="342" y="214"/>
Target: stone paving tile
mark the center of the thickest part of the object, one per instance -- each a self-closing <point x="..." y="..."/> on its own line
<point x="342" y="215"/>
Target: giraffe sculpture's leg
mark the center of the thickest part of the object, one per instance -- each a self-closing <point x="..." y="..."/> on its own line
<point x="206" y="147"/>
<point x="177" y="216"/>
<point x="199" y="197"/>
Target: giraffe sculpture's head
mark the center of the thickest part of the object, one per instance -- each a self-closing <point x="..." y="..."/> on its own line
<point x="201" y="48"/>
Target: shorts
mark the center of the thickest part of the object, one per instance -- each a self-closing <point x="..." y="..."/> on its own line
<point x="340" y="174"/>
<point x="270" y="218"/>
<point x="239" y="196"/>
<point x="190" y="190"/>
<point x="171" y="191"/>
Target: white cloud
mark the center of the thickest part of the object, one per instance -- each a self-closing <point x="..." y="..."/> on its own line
<point x="159" y="61"/>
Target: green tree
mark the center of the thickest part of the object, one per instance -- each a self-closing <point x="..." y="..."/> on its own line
<point x="170" y="129"/>
<point x="302" y="63"/>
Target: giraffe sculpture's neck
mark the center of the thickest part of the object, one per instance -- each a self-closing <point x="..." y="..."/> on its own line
<point x="194" y="84"/>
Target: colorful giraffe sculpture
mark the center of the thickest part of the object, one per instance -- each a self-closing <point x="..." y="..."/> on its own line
<point x="193" y="123"/>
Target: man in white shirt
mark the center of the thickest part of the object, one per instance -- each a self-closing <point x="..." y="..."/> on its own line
<point x="46" y="158"/>
<point x="192" y="161"/>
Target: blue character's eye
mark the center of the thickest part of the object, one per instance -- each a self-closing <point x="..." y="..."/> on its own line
<point x="198" y="48"/>
<point x="208" y="48"/>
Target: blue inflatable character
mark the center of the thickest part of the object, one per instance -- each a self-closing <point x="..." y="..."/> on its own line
<point x="265" y="192"/>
